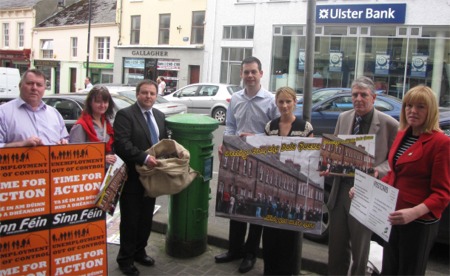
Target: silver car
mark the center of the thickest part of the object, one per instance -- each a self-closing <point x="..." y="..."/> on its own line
<point x="161" y="104"/>
<point x="210" y="99"/>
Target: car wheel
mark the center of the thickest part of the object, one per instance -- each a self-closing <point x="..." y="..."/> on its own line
<point x="322" y="237"/>
<point x="220" y="114"/>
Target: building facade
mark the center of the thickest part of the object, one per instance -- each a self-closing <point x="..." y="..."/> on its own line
<point x="160" y="38"/>
<point x="399" y="44"/>
<point x="62" y="42"/>
<point x="17" y="19"/>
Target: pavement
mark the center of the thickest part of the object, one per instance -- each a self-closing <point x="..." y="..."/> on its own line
<point x="314" y="255"/>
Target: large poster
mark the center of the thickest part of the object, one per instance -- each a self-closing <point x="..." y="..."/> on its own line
<point x="272" y="181"/>
<point x="48" y="222"/>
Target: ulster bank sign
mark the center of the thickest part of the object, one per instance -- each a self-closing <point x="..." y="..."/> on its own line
<point x="371" y="14"/>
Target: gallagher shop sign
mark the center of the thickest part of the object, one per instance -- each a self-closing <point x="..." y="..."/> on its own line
<point x="378" y="14"/>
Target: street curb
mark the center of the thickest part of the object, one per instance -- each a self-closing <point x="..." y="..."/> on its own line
<point x="307" y="263"/>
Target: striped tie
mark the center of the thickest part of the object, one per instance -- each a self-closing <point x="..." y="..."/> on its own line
<point x="358" y="120"/>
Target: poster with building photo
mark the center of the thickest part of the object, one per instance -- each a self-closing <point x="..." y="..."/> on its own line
<point x="341" y="155"/>
<point x="271" y="181"/>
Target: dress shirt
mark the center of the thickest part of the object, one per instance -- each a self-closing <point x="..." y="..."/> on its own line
<point x="18" y="122"/>
<point x="250" y="115"/>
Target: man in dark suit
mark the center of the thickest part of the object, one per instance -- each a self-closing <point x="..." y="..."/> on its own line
<point x="349" y="240"/>
<point x="133" y="136"/>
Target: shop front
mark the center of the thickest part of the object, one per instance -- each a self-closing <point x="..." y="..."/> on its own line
<point x="174" y="64"/>
<point x="350" y="42"/>
<point x="52" y="72"/>
<point x="19" y="59"/>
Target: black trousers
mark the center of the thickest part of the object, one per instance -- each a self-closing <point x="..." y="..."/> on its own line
<point x="281" y="251"/>
<point x="236" y="238"/>
<point x="136" y="217"/>
<point x="408" y="248"/>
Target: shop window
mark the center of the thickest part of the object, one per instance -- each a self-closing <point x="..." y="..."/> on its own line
<point x="198" y="27"/>
<point x="47" y="48"/>
<point x="135" y="29"/>
<point x="5" y="34"/>
<point x="164" y="29"/>
<point x="20" y="34"/>
<point x="103" y="48"/>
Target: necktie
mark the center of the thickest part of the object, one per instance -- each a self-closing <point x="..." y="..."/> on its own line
<point x="357" y="125"/>
<point x="151" y="127"/>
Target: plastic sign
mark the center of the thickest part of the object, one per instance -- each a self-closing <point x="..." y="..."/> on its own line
<point x="378" y="14"/>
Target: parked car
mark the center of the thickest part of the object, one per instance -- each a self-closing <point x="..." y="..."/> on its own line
<point x="168" y="108"/>
<point x="70" y="105"/>
<point x="324" y="114"/>
<point x="324" y="93"/>
<point x="205" y="98"/>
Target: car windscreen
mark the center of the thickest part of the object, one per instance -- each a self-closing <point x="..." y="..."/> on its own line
<point x="121" y="102"/>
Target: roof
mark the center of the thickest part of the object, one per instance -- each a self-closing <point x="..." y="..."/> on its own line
<point x="102" y="11"/>
<point x="10" y="4"/>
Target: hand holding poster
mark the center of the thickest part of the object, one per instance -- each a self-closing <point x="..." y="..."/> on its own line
<point x="372" y="203"/>
<point x="112" y="186"/>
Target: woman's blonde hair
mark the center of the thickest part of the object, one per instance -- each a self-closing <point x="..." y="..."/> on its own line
<point x="289" y="92"/>
<point x="422" y="94"/>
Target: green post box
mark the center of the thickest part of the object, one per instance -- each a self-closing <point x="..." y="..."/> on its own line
<point x="188" y="210"/>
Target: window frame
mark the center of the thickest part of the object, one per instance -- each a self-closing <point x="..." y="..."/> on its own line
<point x="135" y="29"/>
<point x="46" y="48"/>
<point x="5" y="35"/>
<point x="74" y="46"/>
<point x="163" y="29"/>
<point x="21" y="34"/>
<point x="198" y="30"/>
<point x="103" y="50"/>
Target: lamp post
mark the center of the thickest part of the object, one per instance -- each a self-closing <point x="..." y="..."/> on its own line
<point x="89" y="39"/>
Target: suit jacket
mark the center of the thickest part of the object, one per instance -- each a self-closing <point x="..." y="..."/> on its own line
<point x="385" y="129"/>
<point x="132" y="139"/>
<point x="421" y="173"/>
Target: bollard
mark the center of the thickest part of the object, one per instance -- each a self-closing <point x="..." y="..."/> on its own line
<point x="187" y="226"/>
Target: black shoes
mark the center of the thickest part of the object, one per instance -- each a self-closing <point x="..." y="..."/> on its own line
<point x="145" y="260"/>
<point x="227" y="257"/>
<point x="247" y="264"/>
<point x="129" y="269"/>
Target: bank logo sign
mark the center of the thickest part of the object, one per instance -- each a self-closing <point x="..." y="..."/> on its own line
<point x="374" y="14"/>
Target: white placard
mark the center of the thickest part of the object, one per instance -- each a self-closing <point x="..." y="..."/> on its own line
<point x="374" y="200"/>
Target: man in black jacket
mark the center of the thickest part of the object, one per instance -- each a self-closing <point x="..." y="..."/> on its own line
<point x="136" y="129"/>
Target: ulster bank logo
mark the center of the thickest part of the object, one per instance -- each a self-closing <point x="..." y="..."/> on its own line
<point x="378" y="14"/>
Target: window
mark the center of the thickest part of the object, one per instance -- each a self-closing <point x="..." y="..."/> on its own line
<point x="135" y="29"/>
<point x="20" y="34"/>
<point x="47" y="48"/>
<point x="230" y="67"/>
<point x="198" y="27"/>
<point x="164" y="29"/>
<point x="103" y="49"/>
<point x="74" y="46"/>
<point x="238" y="32"/>
<point x="5" y="34"/>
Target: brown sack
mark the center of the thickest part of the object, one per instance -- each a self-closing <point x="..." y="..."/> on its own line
<point x="172" y="174"/>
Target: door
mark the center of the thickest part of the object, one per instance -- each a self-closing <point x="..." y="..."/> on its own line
<point x="73" y="80"/>
<point x="194" y="74"/>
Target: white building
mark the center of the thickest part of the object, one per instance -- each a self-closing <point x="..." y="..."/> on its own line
<point x="398" y="43"/>
<point x="60" y="45"/>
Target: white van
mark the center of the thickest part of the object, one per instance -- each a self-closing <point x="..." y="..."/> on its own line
<point x="9" y="81"/>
